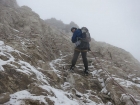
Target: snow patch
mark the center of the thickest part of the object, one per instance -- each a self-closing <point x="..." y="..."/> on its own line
<point x="57" y="61"/>
<point x="15" y="30"/>
<point x="126" y="83"/>
<point x="27" y="67"/>
<point x="1" y="43"/>
<point x="94" y="73"/>
<point x="104" y="90"/>
<point x="18" y="97"/>
<point x="100" y="70"/>
<point x="60" y="97"/>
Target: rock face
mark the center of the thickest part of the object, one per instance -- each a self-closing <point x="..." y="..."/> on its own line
<point x="35" y="57"/>
<point x="9" y="3"/>
<point x="4" y="98"/>
<point x="60" y="25"/>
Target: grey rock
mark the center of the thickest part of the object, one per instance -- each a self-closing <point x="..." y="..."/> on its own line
<point x="39" y="43"/>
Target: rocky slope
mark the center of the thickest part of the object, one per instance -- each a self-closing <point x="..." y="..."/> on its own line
<point x="34" y="61"/>
<point x="9" y="3"/>
<point x="60" y="25"/>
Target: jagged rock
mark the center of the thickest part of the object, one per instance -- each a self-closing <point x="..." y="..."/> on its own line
<point x="33" y="102"/>
<point x="108" y="103"/>
<point x="35" y="89"/>
<point x="35" y="56"/>
<point x="9" y="3"/>
<point x="4" y="58"/>
<point x="60" y="25"/>
<point x="4" y="97"/>
<point x="127" y="100"/>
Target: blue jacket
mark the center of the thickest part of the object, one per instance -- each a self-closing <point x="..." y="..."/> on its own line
<point x="77" y="33"/>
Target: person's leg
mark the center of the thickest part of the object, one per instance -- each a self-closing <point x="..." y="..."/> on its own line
<point x="84" y="56"/>
<point x="75" y="57"/>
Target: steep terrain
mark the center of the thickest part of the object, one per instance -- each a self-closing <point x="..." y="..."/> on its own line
<point x="60" y="25"/>
<point x="34" y="61"/>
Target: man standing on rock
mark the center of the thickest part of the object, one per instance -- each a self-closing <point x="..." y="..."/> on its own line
<point x="82" y="47"/>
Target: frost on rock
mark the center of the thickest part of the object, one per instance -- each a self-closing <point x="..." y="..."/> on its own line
<point x="18" y="97"/>
<point x="35" y="58"/>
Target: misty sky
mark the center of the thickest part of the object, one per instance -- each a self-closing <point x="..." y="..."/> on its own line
<point x="116" y="22"/>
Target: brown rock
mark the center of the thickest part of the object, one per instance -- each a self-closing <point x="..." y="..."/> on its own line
<point x="5" y="97"/>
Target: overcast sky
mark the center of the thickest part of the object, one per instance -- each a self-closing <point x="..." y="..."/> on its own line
<point x="116" y="22"/>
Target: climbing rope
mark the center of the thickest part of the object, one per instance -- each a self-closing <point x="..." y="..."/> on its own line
<point x="115" y="82"/>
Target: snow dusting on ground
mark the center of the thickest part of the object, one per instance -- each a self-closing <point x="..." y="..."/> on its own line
<point x="61" y="96"/>
<point x="18" y="97"/>
<point x="25" y="66"/>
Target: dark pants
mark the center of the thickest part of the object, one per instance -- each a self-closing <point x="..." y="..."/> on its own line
<point x="84" y="57"/>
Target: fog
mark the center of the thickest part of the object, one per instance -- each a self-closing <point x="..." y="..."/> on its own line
<point x="116" y="22"/>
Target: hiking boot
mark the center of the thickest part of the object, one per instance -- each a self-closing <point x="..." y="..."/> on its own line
<point x="86" y="72"/>
<point x="71" y="69"/>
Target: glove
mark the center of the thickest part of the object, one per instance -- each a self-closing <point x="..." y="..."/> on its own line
<point x="79" y="38"/>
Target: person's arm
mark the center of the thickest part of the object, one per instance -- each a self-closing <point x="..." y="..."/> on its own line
<point x="74" y="37"/>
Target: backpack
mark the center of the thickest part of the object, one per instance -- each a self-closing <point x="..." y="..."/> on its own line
<point x="85" y="35"/>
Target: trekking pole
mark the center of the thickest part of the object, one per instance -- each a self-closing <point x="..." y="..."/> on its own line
<point x="121" y="88"/>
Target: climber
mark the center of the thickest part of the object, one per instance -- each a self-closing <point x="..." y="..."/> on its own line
<point x="81" y="47"/>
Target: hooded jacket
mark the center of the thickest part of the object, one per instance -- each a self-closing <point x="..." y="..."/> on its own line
<point x="77" y="33"/>
<point x="76" y="36"/>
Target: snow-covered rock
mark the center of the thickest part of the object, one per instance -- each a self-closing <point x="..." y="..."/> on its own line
<point x="35" y="58"/>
